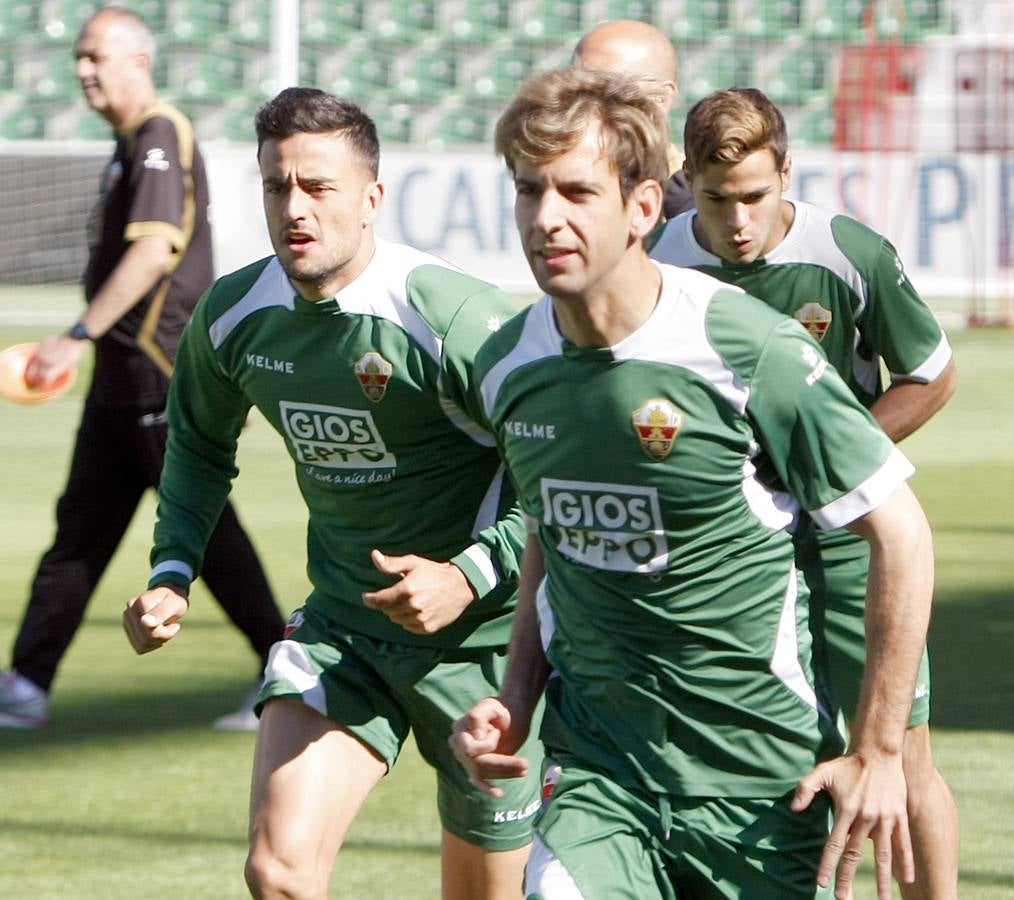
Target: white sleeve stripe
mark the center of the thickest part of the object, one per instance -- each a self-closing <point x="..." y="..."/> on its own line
<point x="483" y="563"/>
<point x="785" y="665"/>
<point x="932" y="367"/>
<point x="173" y="565"/>
<point x="461" y="421"/>
<point x="272" y="288"/>
<point x="868" y="496"/>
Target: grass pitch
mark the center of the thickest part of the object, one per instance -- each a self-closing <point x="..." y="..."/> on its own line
<point x="130" y="794"/>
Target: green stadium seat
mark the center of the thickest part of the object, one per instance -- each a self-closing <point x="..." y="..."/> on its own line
<point x="250" y="22"/>
<point x="505" y="70"/>
<point x="63" y="20"/>
<point x="802" y="74"/>
<point x="215" y="76"/>
<point x="719" y="70"/>
<point x="8" y="67"/>
<point x="57" y="83"/>
<point x="700" y="20"/>
<point x="551" y="22"/>
<point x="841" y="20"/>
<point x="815" y="129"/>
<point x="924" y="18"/>
<point x="480" y="21"/>
<point x="640" y="10"/>
<point x="395" y="122"/>
<point x="23" y="125"/>
<point x="328" y="22"/>
<point x="431" y="75"/>
<point x="463" y="126"/>
<point x="19" y="20"/>
<point x="198" y="21"/>
<point x="406" y="20"/>
<point x="238" y="124"/>
<point x="89" y="126"/>
<point x="360" y="72"/>
<point x="771" y="19"/>
<point x="154" y="12"/>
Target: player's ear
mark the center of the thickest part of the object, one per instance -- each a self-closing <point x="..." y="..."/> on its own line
<point x="646" y="203"/>
<point x="786" y="173"/>
<point x="373" y="196"/>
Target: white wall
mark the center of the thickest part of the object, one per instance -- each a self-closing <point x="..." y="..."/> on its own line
<point x="950" y="215"/>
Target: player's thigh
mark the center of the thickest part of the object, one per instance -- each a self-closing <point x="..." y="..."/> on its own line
<point x="470" y="872"/>
<point x="434" y="699"/>
<point x="594" y="840"/>
<point x="310" y="778"/>
<point x="336" y="673"/>
<point x="723" y="848"/>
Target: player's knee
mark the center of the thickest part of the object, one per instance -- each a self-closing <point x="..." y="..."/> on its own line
<point x="272" y="877"/>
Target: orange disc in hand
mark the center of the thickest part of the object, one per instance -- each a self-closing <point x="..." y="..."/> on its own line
<point x="13" y="362"/>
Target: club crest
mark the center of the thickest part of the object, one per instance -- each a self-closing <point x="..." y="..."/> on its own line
<point x="657" y="423"/>
<point x="815" y="318"/>
<point x="373" y="372"/>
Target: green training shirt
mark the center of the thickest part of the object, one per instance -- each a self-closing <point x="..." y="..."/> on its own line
<point x="370" y="392"/>
<point x="672" y="611"/>
<point x="841" y="280"/>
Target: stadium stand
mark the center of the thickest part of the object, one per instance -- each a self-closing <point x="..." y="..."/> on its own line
<point x="436" y="72"/>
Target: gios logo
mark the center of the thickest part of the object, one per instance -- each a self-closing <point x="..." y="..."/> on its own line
<point x="333" y="437"/>
<point x="607" y="526"/>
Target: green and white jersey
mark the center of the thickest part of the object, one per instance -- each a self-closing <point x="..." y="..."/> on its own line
<point x="371" y="392"/>
<point x="845" y="283"/>
<point x="672" y="610"/>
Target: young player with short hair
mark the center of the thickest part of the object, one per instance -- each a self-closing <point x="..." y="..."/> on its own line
<point x="846" y="284"/>
<point x="359" y="352"/>
<point x="633" y="405"/>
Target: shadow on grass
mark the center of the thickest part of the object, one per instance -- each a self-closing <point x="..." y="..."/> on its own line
<point x="129" y="713"/>
<point x="972" y="678"/>
<point x="162" y="837"/>
<point x="986" y="879"/>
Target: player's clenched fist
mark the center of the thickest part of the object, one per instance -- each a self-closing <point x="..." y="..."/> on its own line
<point x="485" y="741"/>
<point x="153" y="618"/>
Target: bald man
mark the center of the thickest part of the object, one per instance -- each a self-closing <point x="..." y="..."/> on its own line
<point x="641" y="50"/>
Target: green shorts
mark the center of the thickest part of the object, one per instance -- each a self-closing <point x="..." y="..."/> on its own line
<point x="379" y="691"/>
<point x="836" y="566"/>
<point x="596" y="840"/>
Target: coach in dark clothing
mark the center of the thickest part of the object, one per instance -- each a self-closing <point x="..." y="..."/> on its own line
<point x="150" y="260"/>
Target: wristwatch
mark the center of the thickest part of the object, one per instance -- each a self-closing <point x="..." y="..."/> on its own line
<point x="79" y="333"/>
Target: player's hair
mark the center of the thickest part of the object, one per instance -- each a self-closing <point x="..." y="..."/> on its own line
<point x="727" y="126"/>
<point x="136" y="29"/>
<point x="303" y="110"/>
<point x="552" y="112"/>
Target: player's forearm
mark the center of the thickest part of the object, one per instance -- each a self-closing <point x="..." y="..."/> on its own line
<point x="907" y="405"/>
<point x="899" y="596"/>
<point x="140" y="269"/>
<point x="527" y="667"/>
